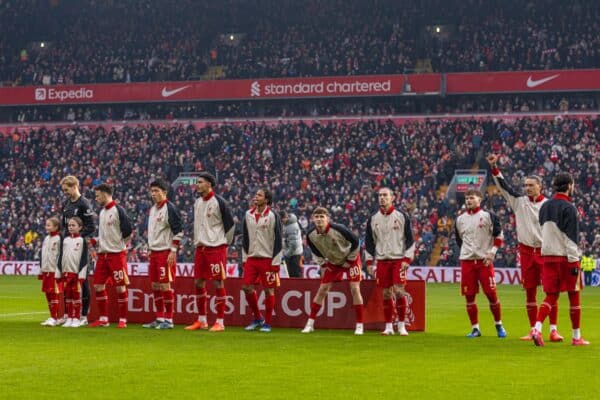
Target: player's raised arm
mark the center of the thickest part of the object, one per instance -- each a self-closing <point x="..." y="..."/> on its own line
<point x="505" y="189"/>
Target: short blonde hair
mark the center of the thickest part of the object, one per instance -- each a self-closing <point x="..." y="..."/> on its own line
<point x="54" y="221"/>
<point x="70" y="181"/>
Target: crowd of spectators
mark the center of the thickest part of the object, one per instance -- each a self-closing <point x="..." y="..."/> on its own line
<point x="544" y="147"/>
<point x="337" y="164"/>
<point x="516" y="35"/>
<point x="72" y="41"/>
<point x="480" y="104"/>
<point x="86" y="41"/>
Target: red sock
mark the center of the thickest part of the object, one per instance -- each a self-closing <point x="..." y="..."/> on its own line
<point x="68" y="302"/>
<point x="531" y="305"/>
<point x="472" y="310"/>
<point x="169" y="298"/>
<point x="575" y="309"/>
<point x="546" y="306"/>
<point x="495" y="307"/>
<point x="314" y="310"/>
<point x="221" y="298"/>
<point x="102" y="301"/>
<point x="159" y="304"/>
<point x="49" y="301"/>
<point x="122" y="300"/>
<point x="201" y="300"/>
<point x="252" y="300"/>
<point x="401" y="308"/>
<point x="52" y="299"/>
<point x="76" y="297"/>
<point x="359" y="311"/>
<point x="553" y="316"/>
<point x="70" y="308"/>
<point x="388" y="310"/>
<point x="269" y="307"/>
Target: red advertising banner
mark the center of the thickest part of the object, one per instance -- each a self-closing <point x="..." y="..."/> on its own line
<point x="524" y="81"/>
<point x="294" y="298"/>
<point x="283" y="88"/>
<point x="293" y="88"/>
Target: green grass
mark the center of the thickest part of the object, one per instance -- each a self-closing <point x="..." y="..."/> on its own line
<point x="44" y="363"/>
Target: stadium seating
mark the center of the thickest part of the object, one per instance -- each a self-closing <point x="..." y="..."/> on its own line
<point x="340" y="170"/>
<point x="308" y="108"/>
<point x="89" y="41"/>
<point x="336" y="164"/>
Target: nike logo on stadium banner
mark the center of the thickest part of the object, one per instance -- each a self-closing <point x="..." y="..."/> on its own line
<point x="531" y="83"/>
<point x="169" y="93"/>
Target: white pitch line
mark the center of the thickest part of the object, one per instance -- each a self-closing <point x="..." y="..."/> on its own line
<point x="22" y="314"/>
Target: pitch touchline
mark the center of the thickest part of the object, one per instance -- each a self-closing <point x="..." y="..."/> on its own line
<point x="20" y="314"/>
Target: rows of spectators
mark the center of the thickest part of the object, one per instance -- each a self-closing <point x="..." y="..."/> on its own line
<point x="84" y="41"/>
<point x="339" y="165"/>
<point x="544" y="147"/>
<point x="307" y="108"/>
<point x="515" y="35"/>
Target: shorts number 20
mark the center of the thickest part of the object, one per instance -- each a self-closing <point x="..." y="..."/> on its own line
<point x="118" y="275"/>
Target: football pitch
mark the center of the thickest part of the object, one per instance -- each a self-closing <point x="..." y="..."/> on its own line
<point x="50" y="363"/>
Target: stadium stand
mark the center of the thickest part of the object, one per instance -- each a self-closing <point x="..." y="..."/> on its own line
<point x="110" y="41"/>
<point x="338" y="164"/>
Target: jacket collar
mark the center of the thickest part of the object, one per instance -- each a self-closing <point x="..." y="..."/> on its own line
<point x="326" y="231"/>
<point x="388" y="211"/>
<point x="474" y="211"/>
<point x="209" y="196"/>
<point x="536" y="199"/>
<point x="562" y="196"/>
<point x="161" y="204"/>
<point x="254" y="211"/>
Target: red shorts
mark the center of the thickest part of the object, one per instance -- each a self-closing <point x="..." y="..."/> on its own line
<point x="49" y="283"/>
<point x="472" y="274"/>
<point x="559" y="276"/>
<point x="111" y="269"/>
<point x="389" y="273"/>
<point x="72" y="281"/>
<point x="333" y="273"/>
<point x="210" y="262"/>
<point x="158" y="269"/>
<point x="531" y="266"/>
<point x="261" y="270"/>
